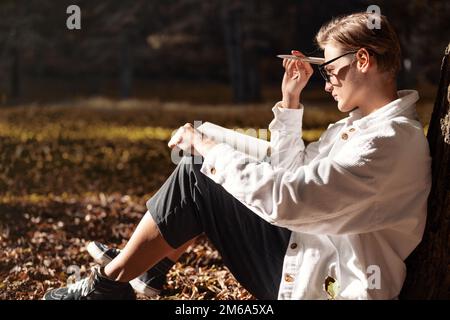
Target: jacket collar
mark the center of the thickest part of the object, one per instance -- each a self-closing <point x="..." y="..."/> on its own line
<point x="403" y="106"/>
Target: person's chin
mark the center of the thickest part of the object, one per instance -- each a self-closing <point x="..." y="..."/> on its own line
<point x="344" y="107"/>
<point x="341" y="106"/>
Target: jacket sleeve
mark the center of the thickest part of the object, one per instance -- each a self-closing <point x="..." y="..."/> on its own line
<point x="286" y="144"/>
<point x="328" y="196"/>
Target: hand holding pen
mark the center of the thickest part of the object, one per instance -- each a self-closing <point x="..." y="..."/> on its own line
<point x="296" y="76"/>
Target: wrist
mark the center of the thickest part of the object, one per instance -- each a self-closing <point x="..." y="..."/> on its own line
<point x="291" y="102"/>
<point x="205" y="145"/>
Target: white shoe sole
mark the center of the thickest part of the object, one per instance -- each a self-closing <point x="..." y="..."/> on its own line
<point x="138" y="285"/>
<point x="98" y="254"/>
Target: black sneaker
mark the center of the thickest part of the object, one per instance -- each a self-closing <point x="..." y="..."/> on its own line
<point x="101" y="253"/>
<point x="94" y="287"/>
<point x="149" y="283"/>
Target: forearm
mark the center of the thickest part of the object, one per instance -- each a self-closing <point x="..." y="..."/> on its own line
<point x="286" y="136"/>
<point x="203" y="145"/>
<point x="291" y="102"/>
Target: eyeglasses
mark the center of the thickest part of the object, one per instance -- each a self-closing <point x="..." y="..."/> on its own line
<point x="324" y="72"/>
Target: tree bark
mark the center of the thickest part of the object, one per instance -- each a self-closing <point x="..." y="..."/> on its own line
<point x="231" y="22"/>
<point x="428" y="266"/>
<point x="15" y="69"/>
<point x="126" y="67"/>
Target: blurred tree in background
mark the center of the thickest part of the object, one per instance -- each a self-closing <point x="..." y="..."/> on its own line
<point x="123" y="44"/>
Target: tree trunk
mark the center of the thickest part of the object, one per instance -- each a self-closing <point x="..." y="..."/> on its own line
<point x="232" y="28"/>
<point x="428" y="266"/>
<point x="253" y="80"/>
<point x="15" y="69"/>
<point x="126" y="67"/>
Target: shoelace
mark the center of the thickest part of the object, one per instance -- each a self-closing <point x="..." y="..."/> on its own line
<point x="83" y="286"/>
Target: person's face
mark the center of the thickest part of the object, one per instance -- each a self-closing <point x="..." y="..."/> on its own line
<point x="343" y="79"/>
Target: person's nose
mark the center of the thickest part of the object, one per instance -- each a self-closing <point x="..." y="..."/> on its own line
<point x="328" y="87"/>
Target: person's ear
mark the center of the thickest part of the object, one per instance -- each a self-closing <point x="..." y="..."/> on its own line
<point x="364" y="60"/>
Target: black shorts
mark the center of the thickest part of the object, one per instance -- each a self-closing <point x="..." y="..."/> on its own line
<point x="189" y="204"/>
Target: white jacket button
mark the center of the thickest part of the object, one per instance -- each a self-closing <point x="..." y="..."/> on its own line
<point x="288" y="278"/>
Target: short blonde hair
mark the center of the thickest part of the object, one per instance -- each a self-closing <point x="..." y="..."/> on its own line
<point x="352" y="32"/>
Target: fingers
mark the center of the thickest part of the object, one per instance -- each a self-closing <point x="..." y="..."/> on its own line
<point x="288" y="67"/>
<point x="308" y="69"/>
<point x="297" y="69"/>
<point x="292" y="67"/>
<point x="177" y="138"/>
<point x="287" y="62"/>
<point x="297" y="53"/>
<point x="174" y="141"/>
<point x="306" y="66"/>
<point x="183" y="133"/>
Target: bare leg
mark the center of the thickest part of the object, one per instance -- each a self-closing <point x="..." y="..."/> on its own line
<point x="145" y="248"/>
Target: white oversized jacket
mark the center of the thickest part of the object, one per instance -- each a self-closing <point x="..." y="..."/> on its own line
<point x="355" y="199"/>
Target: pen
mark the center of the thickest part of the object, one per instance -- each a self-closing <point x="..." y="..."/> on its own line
<point x="313" y="60"/>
